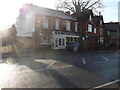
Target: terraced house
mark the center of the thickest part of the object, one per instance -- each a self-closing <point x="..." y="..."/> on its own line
<point x="40" y="27"/>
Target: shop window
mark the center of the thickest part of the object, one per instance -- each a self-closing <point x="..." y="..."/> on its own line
<point x="45" y="39"/>
<point x="63" y="41"/>
<point x="60" y="42"/>
<point x="89" y="28"/>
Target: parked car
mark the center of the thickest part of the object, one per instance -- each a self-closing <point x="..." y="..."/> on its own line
<point x="73" y="46"/>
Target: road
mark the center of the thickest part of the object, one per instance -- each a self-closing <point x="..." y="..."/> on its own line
<point x="62" y="69"/>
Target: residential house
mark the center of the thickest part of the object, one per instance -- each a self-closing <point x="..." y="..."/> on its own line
<point x="43" y="27"/>
<point x="39" y="27"/>
<point x="113" y="32"/>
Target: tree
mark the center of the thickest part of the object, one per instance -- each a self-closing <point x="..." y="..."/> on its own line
<point x="78" y="8"/>
<point x="10" y="34"/>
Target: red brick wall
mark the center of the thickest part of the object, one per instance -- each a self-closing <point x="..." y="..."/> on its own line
<point x="38" y="24"/>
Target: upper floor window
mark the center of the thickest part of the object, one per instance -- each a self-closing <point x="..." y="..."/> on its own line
<point x="100" y="21"/>
<point x="45" y="22"/>
<point x="57" y="24"/>
<point x="89" y="28"/>
<point x="90" y="17"/>
<point x="76" y="26"/>
<point x="101" y="31"/>
<point x="67" y="25"/>
<point x="108" y="32"/>
<point x="95" y="30"/>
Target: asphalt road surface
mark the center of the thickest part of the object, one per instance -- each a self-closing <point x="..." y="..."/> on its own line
<point x="61" y="69"/>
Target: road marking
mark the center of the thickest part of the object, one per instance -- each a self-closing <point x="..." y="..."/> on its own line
<point x="83" y="60"/>
<point x="106" y="84"/>
<point x="105" y="58"/>
<point x="106" y="61"/>
<point x="51" y="64"/>
<point x="100" y="62"/>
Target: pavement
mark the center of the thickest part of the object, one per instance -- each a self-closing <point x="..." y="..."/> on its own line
<point x="61" y="69"/>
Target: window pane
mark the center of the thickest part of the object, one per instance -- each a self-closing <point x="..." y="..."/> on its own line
<point x="57" y="24"/>
<point x="67" y="25"/>
<point x="101" y="31"/>
<point x="101" y="39"/>
<point x="94" y="30"/>
<point x="89" y="28"/>
<point x="45" y="39"/>
<point x="45" y="22"/>
<point x="76" y="26"/>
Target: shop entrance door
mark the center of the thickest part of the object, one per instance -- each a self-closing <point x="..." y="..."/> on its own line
<point x="60" y="43"/>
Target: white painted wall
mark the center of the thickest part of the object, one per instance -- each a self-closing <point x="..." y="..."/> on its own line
<point x="26" y="25"/>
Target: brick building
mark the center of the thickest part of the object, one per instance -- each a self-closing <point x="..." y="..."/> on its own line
<point x="39" y="27"/>
<point x="113" y="35"/>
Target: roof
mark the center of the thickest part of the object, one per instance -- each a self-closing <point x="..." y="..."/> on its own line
<point x="97" y="19"/>
<point x="48" y="12"/>
<point x="112" y="26"/>
<point x="85" y="14"/>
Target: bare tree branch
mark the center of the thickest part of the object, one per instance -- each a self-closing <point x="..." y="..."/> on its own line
<point x="80" y="5"/>
<point x="69" y="7"/>
<point x="92" y="4"/>
<point x="88" y="1"/>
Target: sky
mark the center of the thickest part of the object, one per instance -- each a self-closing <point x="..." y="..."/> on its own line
<point x="9" y="9"/>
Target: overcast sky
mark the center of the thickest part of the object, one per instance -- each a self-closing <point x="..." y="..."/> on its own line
<point x="9" y="9"/>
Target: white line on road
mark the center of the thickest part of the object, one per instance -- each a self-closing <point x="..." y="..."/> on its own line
<point x="107" y="61"/>
<point x="51" y="64"/>
<point x="83" y="60"/>
<point x="105" y="58"/>
<point x="106" y="84"/>
<point x="100" y="62"/>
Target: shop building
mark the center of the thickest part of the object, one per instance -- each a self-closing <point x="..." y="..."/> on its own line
<point x="39" y="27"/>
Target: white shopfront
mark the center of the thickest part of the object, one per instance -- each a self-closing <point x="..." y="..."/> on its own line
<point x="59" y="41"/>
